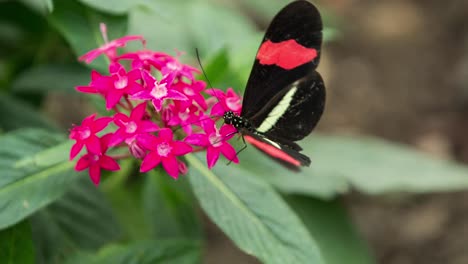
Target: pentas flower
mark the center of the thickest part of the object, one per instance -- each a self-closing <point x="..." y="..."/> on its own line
<point x="144" y="59"/>
<point x="229" y="101"/>
<point x="173" y="66"/>
<point x="193" y="92"/>
<point x="109" y="48"/>
<point x="157" y="92"/>
<point x="120" y="83"/>
<point x="93" y="86"/>
<point x="177" y="115"/>
<point x="158" y="109"/>
<point x="85" y="135"/>
<point x="132" y="126"/>
<point x="97" y="161"/>
<point x="164" y="149"/>
<point x="214" y="141"/>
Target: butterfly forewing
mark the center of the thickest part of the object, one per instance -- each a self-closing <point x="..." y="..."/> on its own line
<point x="294" y="112"/>
<point x="289" y="51"/>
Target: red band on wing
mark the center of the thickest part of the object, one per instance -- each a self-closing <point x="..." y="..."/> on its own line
<point x="286" y="54"/>
<point x="272" y="151"/>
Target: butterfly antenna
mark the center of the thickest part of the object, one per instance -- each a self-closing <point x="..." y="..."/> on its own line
<point x="204" y="74"/>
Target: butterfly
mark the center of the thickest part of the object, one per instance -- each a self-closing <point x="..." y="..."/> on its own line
<point x="284" y="96"/>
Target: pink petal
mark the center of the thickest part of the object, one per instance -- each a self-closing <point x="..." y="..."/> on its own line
<point x="229" y="152"/>
<point x="200" y="101"/>
<point x="95" y="75"/>
<point x="87" y="89"/>
<point x="134" y="88"/>
<point x="176" y="95"/>
<point x="216" y="93"/>
<point x="90" y="56"/>
<point x="147" y="126"/>
<point x="141" y="95"/>
<point x="218" y="110"/>
<point x="101" y="123"/>
<point x="88" y="120"/>
<point x="208" y="126"/>
<point x="108" y="163"/>
<point x="148" y="141"/>
<point x="120" y="119"/>
<point x="115" y="67"/>
<point x="212" y="155"/>
<point x="227" y="131"/>
<point x="197" y="140"/>
<point x="82" y="163"/>
<point x="157" y="103"/>
<point x="76" y="148"/>
<point x="166" y="134"/>
<point x="112" y="98"/>
<point x="105" y="141"/>
<point x="171" y="166"/>
<point x="138" y="112"/>
<point x="180" y="148"/>
<point x="95" y="174"/>
<point x="93" y="144"/>
<point x="134" y="74"/>
<point x="148" y="78"/>
<point x="117" y="138"/>
<point x="151" y="160"/>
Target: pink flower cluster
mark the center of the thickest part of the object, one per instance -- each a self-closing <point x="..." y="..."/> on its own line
<point x="159" y="113"/>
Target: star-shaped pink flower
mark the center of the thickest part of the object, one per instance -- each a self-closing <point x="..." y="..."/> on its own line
<point x="85" y="135"/>
<point x="144" y="59"/>
<point x="215" y="142"/>
<point x="173" y="66"/>
<point x="97" y="161"/>
<point x="157" y="92"/>
<point x="229" y="101"/>
<point x="179" y="115"/>
<point x="119" y="84"/>
<point x="163" y="149"/>
<point x="132" y="126"/>
<point x="109" y="48"/>
<point x="192" y="92"/>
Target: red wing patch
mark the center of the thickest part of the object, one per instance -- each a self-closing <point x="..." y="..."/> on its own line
<point x="286" y="54"/>
<point x="272" y="151"/>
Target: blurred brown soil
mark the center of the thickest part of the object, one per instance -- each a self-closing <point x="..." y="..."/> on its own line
<point x="400" y="71"/>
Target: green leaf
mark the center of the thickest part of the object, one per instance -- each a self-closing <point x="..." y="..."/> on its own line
<point x="80" y="27"/>
<point x="220" y="73"/>
<point x="144" y="252"/>
<point x="81" y="219"/>
<point x="35" y="172"/>
<point x="169" y="207"/>
<point x="253" y="215"/>
<point x="51" y="77"/>
<point x="16" y="245"/>
<point x="196" y="30"/>
<point x="332" y="229"/>
<point x="17" y="114"/>
<point x="117" y="7"/>
<point x="340" y="164"/>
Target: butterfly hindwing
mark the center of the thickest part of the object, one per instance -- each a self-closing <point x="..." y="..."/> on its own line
<point x="289" y="51"/>
<point x="277" y="150"/>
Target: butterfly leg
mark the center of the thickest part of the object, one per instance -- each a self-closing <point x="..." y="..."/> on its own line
<point x="240" y="150"/>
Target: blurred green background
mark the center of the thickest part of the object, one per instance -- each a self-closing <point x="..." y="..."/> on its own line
<point x="389" y="152"/>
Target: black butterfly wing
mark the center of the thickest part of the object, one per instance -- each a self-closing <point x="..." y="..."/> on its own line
<point x="289" y="51"/>
<point x="294" y="112"/>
